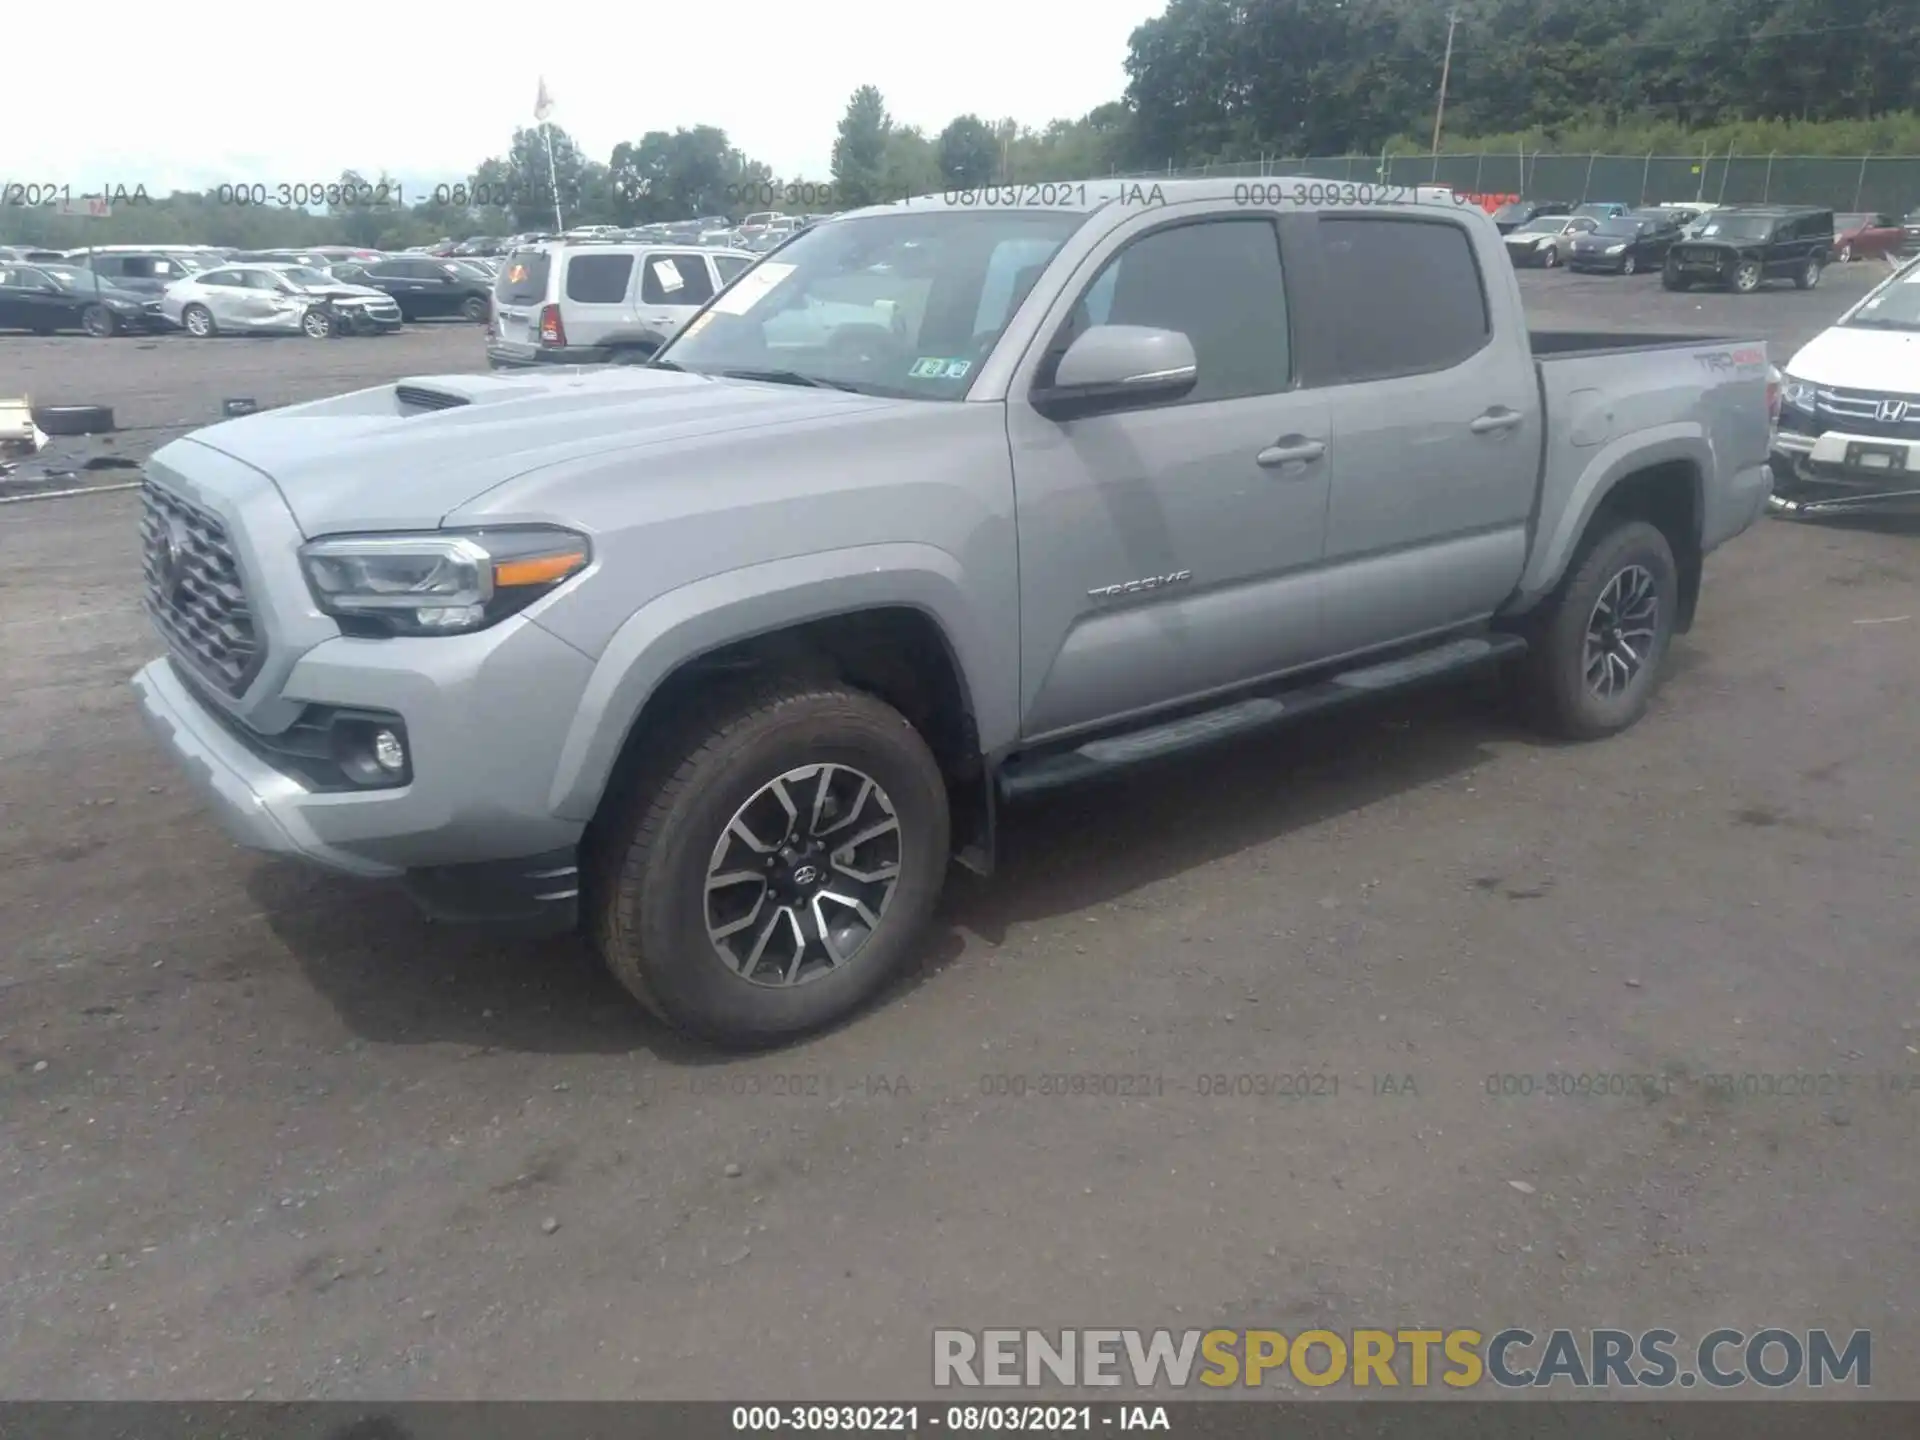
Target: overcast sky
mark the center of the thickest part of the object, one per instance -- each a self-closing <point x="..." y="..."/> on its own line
<point x="286" y="94"/>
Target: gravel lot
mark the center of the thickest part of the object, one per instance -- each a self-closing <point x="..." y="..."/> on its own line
<point x="266" y="1133"/>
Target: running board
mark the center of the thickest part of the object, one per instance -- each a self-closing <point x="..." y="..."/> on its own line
<point x="1043" y="770"/>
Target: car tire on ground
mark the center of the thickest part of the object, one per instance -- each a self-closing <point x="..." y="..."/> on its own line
<point x="316" y="324"/>
<point x="1551" y="260"/>
<point x="1629" y="266"/>
<point x="475" y="309"/>
<point x="98" y="321"/>
<point x="1598" y="646"/>
<point x="1808" y="277"/>
<point x="73" y="419"/>
<point x="800" y="827"/>
<point x="197" y="321"/>
<point x="1747" y="277"/>
<point x="1846" y="254"/>
<point x="1672" y="279"/>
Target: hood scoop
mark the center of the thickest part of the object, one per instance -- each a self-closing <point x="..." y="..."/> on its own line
<point x="419" y="397"/>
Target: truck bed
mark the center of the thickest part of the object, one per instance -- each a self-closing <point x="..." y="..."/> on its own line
<point x="1617" y="404"/>
<point x="1566" y="344"/>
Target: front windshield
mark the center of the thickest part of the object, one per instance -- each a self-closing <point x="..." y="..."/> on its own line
<point x="1545" y="225"/>
<point x="1736" y="227"/>
<point x="905" y="304"/>
<point x="1895" y="308"/>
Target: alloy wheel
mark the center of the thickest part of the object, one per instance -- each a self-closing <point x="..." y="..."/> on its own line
<point x="1621" y="631"/>
<point x="802" y="875"/>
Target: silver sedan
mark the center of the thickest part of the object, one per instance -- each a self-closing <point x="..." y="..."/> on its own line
<point x="275" y="299"/>
<point x="1548" y="239"/>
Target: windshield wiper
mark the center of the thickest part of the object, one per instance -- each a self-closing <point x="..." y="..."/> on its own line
<point x="790" y="377"/>
<point x="666" y="365"/>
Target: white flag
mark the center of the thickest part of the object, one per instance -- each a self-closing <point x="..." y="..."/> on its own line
<point x="543" y="107"/>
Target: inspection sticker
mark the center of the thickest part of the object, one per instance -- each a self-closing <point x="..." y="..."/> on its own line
<point x="933" y="367"/>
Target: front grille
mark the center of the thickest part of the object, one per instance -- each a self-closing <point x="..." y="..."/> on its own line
<point x="1858" y="413"/>
<point x="194" y="591"/>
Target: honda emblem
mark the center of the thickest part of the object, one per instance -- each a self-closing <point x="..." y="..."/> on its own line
<point x="1892" y="412"/>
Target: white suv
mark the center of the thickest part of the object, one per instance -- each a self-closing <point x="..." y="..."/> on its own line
<point x="558" y="303"/>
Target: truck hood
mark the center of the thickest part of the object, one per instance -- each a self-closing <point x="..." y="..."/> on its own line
<point x="1856" y="358"/>
<point x="404" y="456"/>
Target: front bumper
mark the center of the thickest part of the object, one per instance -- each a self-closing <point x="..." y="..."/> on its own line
<point x="471" y="834"/>
<point x="1817" y="473"/>
<point x="1597" y="264"/>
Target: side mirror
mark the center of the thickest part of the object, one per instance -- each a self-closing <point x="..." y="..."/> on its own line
<point x="1114" y="367"/>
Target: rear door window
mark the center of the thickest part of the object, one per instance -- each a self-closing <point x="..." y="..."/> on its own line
<point x="523" y="278"/>
<point x="1407" y="292"/>
<point x="599" y="279"/>
<point x="676" y="280"/>
<point x="730" y="266"/>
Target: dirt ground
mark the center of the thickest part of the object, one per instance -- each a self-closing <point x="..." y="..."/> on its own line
<point x="268" y="1134"/>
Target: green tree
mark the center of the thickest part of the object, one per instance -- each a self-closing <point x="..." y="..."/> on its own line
<point x="969" y="153"/>
<point x="687" y="173"/>
<point x="860" y="151"/>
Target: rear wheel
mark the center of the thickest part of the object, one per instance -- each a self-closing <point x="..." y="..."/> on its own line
<point x="474" y="309"/>
<point x="1672" y="279"/>
<point x="197" y="321"/>
<point x="1598" y="646"/>
<point x="1846" y="254"/>
<point x="775" y="866"/>
<point x="1808" y="277"/>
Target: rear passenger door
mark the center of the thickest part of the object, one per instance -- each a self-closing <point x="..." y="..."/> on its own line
<point x="594" y="296"/>
<point x="1168" y="550"/>
<point x="673" y="285"/>
<point x="1436" y="430"/>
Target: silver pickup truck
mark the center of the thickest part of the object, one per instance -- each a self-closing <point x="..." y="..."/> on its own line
<point x="941" y="503"/>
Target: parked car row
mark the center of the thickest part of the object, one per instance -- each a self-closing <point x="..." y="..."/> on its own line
<point x="1733" y="247"/>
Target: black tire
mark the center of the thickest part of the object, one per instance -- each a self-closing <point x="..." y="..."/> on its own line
<point x="197" y="321"/>
<point x="1674" y="280"/>
<point x="1551" y="260"/>
<point x="74" y="419"/>
<point x="1629" y="266"/>
<point x="99" y="322"/>
<point x="475" y="309"/>
<point x="1553" y="683"/>
<point x="1748" y="277"/>
<point x="1846" y="254"/>
<point x="1808" y="277"/>
<point x="648" y="863"/>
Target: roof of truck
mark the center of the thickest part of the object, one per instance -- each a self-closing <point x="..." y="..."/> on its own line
<point x="1086" y="196"/>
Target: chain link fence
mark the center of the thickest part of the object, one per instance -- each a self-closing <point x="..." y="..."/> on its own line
<point x="1889" y="183"/>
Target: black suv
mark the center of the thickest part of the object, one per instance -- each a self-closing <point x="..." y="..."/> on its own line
<point x="1741" y="247"/>
<point x="1911" y="225"/>
<point x="424" y="286"/>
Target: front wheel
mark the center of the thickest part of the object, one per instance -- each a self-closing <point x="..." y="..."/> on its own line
<point x="1551" y="259"/>
<point x="316" y="324"/>
<point x="1629" y="266"/>
<point x="98" y="322"/>
<point x="775" y="867"/>
<point x="1846" y="254"/>
<point x="1598" y="647"/>
<point x="1672" y="279"/>
<point x="1746" y="279"/>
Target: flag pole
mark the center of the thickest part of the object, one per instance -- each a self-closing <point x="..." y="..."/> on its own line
<point x="553" y="177"/>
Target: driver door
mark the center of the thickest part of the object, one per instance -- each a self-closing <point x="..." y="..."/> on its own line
<point x="13" y="301"/>
<point x="1170" y="551"/>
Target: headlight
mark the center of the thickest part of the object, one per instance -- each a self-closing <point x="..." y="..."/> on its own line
<point x="1615" y="249"/>
<point x="439" y="584"/>
<point x="1797" y="393"/>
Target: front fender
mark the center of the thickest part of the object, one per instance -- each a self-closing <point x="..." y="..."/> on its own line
<point x="1560" y="531"/>
<point x="719" y="610"/>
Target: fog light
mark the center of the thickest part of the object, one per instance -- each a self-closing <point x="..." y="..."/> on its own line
<point x="388" y="753"/>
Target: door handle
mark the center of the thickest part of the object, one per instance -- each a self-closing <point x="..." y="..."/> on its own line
<point x="1291" y="449"/>
<point x="1495" y="420"/>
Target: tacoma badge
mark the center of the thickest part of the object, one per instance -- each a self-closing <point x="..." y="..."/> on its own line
<point x="1134" y="587"/>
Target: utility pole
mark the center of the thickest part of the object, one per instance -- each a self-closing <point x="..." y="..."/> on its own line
<point x="1446" y="69"/>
